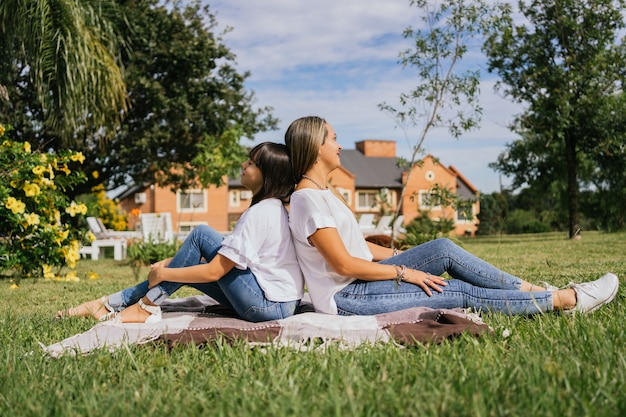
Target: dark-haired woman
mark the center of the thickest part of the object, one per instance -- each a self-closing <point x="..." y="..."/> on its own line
<point x="254" y="270"/>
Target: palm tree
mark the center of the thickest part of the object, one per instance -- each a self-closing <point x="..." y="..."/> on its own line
<point x="70" y="49"/>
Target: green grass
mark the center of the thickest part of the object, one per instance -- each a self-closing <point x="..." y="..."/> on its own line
<point x="550" y="365"/>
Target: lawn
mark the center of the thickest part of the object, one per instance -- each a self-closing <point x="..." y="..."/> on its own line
<point x="549" y="365"/>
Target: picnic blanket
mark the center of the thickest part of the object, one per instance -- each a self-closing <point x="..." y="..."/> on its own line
<point x="200" y="319"/>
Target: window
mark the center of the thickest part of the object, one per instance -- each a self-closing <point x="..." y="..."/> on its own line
<point x="429" y="200"/>
<point x="463" y="215"/>
<point x="191" y="200"/>
<point x="234" y="198"/>
<point x="345" y="194"/>
<point x="366" y="200"/>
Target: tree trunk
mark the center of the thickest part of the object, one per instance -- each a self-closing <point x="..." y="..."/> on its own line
<point x="572" y="185"/>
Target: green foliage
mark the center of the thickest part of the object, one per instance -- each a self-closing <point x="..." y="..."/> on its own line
<point x="59" y="66"/>
<point x="184" y="94"/>
<point x="564" y="61"/>
<point x="146" y="252"/>
<point x="39" y="222"/>
<point x="423" y="229"/>
<point x="523" y="221"/>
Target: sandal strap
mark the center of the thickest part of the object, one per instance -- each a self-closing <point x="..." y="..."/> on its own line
<point x="155" y="310"/>
<point x="106" y="304"/>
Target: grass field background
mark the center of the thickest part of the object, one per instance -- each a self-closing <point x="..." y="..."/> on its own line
<point x="546" y="365"/>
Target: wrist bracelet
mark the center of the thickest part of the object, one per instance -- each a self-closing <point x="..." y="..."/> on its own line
<point x="400" y="271"/>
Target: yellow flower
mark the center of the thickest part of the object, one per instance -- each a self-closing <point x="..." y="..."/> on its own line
<point x="71" y="277"/>
<point x="72" y="254"/>
<point x="39" y="170"/>
<point x="91" y="236"/>
<point x="27" y="147"/>
<point x="78" y="156"/>
<point x="95" y="174"/>
<point x="6" y="143"/>
<point x="75" y="209"/>
<point x="93" y="275"/>
<point x="31" y="218"/>
<point x="1" y="131"/>
<point x="47" y="272"/>
<point x="13" y="286"/>
<point x="46" y="182"/>
<point x="65" y="169"/>
<point x="61" y="236"/>
<point x="31" y="190"/>
<point x="16" y="206"/>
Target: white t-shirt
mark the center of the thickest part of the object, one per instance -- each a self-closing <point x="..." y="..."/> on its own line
<point x="311" y="210"/>
<point x="262" y="242"/>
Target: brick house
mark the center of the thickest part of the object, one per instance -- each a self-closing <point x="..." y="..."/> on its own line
<point x="367" y="173"/>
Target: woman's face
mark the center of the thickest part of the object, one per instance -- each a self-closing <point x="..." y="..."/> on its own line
<point x="251" y="176"/>
<point x="329" y="151"/>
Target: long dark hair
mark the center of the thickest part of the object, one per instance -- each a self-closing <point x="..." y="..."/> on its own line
<point x="272" y="159"/>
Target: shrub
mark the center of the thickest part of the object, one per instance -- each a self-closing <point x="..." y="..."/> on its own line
<point x="143" y="253"/>
<point x="423" y="229"/>
<point x="39" y="224"/>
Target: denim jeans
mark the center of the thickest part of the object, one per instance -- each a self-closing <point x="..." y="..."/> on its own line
<point x="238" y="289"/>
<point x="475" y="283"/>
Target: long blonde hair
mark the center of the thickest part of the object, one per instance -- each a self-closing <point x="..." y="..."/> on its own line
<point x="303" y="138"/>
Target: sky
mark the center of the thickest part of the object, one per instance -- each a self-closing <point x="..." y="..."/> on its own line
<point x="338" y="59"/>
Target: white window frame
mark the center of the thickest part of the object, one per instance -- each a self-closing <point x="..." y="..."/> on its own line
<point x="422" y="196"/>
<point x="234" y="198"/>
<point x="368" y="207"/>
<point x="200" y="209"/>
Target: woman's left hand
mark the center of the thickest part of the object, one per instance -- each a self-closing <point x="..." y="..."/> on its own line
<point x="425" y="280"/>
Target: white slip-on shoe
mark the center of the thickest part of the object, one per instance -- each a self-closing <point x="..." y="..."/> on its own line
<point x="590" y="296"/>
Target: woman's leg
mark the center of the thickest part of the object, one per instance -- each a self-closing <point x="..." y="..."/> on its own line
<point x="375" y="297"/>
<point x="442" y="255"/>
<point x="243" y="293"/>
<point x="202" y="243"/>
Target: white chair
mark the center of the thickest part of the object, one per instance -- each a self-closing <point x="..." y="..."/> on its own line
<point x="366" y="223"/>
<point x="99" y="230"/>
<point x="384" y="226"/>
<point x="157" y="227"/>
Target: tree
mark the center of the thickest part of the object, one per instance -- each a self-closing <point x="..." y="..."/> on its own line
<point x="189" y="106"/>
<point x="63" y="57"/>
<point x="564" y="64"/>
<point x="188" y="109"/>
<point x="444" y="97"/>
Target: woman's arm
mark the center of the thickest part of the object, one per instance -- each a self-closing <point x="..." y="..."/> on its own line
<point x="331" y="247"/>
<point x="208" y="272"/>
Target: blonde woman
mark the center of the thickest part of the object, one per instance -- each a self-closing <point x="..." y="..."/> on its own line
<point x="346" y="275"/>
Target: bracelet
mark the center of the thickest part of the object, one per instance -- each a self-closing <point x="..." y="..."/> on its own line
<point x="395" y="251"/>
<point x="400" y="271"/>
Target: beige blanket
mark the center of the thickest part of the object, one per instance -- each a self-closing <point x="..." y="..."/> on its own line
<point x="199" y="320"/>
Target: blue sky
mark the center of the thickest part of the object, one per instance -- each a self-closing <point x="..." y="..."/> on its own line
<point x="339" y="59"/>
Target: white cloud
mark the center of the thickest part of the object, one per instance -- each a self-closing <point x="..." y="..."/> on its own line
<point x="338" y="60"/>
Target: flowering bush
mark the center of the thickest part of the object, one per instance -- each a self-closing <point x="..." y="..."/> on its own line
<point x="39" y="233"/>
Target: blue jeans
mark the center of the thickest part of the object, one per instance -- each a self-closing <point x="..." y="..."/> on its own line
<point x="475" y="283"/>
<point x="238" y="289"/>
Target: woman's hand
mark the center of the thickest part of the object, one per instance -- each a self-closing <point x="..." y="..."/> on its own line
<point x="161" y="264"/>
<point x="155" y="274"/>
<point x="425" y="280"/>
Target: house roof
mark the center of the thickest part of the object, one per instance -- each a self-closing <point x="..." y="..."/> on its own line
<point x="375" y="172"/>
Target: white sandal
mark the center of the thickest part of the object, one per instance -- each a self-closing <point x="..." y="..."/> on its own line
<point x="111" y="311"/>
<point x="155" y="312"/>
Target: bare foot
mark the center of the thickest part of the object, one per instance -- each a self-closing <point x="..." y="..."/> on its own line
<point x="133" y="314"/>
<point x="94" y="308"/>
